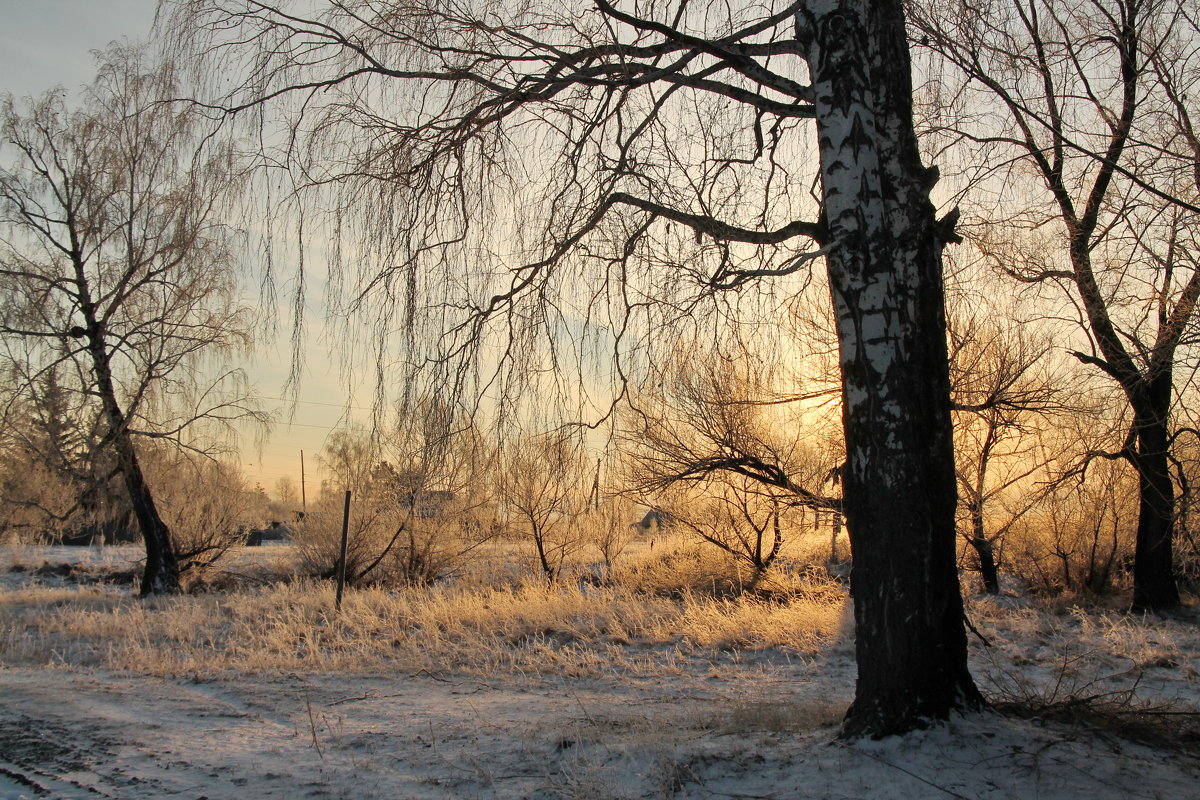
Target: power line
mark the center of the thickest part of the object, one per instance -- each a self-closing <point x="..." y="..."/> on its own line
<point x="306" y="425"/>
<point x="313" y="403"/>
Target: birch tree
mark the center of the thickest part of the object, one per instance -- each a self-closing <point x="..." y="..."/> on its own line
<point x="627" y="166"/>
<point x="113" y="259"/>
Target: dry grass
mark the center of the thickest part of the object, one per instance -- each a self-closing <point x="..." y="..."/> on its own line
<point x="1089" y="667"/>
<point x="530" y="627"/>
<point x="666" y="600"/>
<point x="1077" y="696"/>
<point x="771" y="715"/>
<point x="1111" y="640"/>
<point x="677" y="564"/>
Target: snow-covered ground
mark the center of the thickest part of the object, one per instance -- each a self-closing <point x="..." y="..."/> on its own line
<point x="712" y="722"/>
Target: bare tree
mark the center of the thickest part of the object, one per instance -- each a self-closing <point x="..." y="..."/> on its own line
<point x="543" y="493"/>
<point x="710" y="414"/>
<point x="350" y="456"/>
<point x="1080" y="539"/>
<point x="422" y="501"/>
<point x="1005" y="387"/>
<point x="1072" y="93"/>
<point x="440" y="472"/>
<point x="285" y="490"/>
<point x="113" y="258"/>
<point x="609" y="528"/>
<point x="205" y="502"/>
<point x="735" y="515"/>
<point x="646" y="150"/>
<point x="712" y="442"/>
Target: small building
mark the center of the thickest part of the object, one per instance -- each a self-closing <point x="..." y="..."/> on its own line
<point x="275" y="532"/>
<point x="655" y="519"/>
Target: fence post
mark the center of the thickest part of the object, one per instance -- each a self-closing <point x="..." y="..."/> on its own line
<point x="341" y="568"/>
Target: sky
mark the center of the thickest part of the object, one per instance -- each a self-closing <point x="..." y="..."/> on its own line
<point x="45" y="43"/>
<point x="49" y="43"/>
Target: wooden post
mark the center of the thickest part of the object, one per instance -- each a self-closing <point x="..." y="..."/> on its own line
<point x="341" y="568"/>
<point x="833" y="537"/>
<point x="303" y="499"/>
<point x="596" y="487"/>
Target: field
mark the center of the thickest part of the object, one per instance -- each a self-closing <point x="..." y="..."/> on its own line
<point x="577" y="691"/>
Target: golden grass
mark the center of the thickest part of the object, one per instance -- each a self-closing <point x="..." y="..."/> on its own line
<point x="530" y="627"/>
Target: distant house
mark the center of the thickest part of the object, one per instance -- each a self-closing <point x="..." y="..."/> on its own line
<point x="114" y="531"/>
<point x="275" y="532"/>
<point x="655" y="519"/>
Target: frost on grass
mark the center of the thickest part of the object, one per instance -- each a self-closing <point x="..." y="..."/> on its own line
<point x="527" y="690"/>
<point x="531" y="627"/>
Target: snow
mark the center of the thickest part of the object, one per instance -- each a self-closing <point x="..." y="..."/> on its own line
<point x="728" y="724"/>
<point x="100" y="735"/>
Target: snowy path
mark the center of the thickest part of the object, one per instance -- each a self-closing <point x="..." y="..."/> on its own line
<point x="80" y="734"/>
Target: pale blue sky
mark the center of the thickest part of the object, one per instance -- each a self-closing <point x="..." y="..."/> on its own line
<point x="48" y="43"/>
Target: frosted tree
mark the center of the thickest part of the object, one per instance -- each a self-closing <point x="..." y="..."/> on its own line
<point x="114" y="261"/>
<point x="1092" y="100"/>
<point x="506" y="172"/>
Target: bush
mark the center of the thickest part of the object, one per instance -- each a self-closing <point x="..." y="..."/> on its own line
<point x="392" y="543"/>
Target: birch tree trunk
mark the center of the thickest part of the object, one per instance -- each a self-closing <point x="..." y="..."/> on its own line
<point x="161" y="575"/>
<point x="886" y="282"/>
